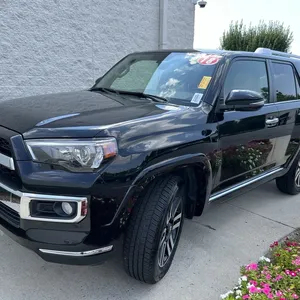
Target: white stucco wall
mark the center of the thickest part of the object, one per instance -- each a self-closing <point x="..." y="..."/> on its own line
<point x="62" y="45"/>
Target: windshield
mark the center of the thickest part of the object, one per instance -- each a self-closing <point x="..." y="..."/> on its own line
<point x="181" y="78"/>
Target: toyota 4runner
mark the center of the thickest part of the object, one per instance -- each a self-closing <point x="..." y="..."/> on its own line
<point x="158" y="138"/>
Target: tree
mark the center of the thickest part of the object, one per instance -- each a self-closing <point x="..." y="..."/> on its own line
<point x="273" y="35"/>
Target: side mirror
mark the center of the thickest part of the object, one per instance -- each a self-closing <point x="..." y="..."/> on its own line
<point x="243" y="100"/>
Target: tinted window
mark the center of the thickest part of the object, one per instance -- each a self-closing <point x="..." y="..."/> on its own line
<point x="284" y="82"/>
<point x="248" y="75"/>
<point x="298" y="87"/>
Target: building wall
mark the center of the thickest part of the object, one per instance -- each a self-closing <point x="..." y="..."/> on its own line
<point x="62" y="45"/>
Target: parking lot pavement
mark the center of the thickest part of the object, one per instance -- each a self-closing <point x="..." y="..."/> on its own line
<point x="211" y="250"/>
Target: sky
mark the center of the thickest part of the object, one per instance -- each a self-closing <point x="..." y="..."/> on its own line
<point x="211" y="21"/>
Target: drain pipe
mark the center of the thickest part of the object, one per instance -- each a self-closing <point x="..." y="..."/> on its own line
<point x="163" y="24"/>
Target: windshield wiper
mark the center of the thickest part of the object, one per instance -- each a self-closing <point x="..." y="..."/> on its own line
<point x="137" y="94"/>
<point x="143" y="95"/>
<point x="152" y="97"/>
<point x="106" y="90"/>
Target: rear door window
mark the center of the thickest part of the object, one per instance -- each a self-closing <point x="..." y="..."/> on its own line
<point x="298" y="86"/>
<point x="284" y="82"/>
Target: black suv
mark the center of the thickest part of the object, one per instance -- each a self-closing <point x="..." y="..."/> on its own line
<point x="156" y="139"/>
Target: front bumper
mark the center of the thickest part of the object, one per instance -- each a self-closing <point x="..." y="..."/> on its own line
<point x="79" y="254"/>
<point x="56" y="240"/>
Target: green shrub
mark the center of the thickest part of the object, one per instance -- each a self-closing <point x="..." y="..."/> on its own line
<point x="273" y="35"/>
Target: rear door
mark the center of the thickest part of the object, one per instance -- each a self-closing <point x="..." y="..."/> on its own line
<point x="287" y="98"/>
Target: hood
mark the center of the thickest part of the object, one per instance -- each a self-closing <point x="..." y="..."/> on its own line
<point x="44" y="115"/>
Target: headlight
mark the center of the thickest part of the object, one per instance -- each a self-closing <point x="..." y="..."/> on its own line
<point x="77" y="156"/>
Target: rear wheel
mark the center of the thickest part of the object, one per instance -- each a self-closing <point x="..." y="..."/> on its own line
<point x="290" y="182"/>
<point x="154" y="231"/>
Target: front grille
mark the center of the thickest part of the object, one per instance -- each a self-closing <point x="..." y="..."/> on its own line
<point x="5" y="147"/>
<point x="6" y="212"/>
<point x="9" y="215"/>
<point x="9" y="175"/>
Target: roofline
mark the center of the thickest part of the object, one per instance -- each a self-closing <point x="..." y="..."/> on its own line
<point x="224" y="53"/>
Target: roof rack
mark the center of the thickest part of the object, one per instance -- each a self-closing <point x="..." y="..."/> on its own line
<point x="267" y="51"/>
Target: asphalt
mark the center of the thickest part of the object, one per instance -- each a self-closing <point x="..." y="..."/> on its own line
<point x="211" y="250"/>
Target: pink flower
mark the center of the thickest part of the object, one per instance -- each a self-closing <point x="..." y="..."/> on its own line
<point x="253" y="289"/>
<point x="270" y="296"/>
<point x="274" y="244"/>
<point x="278" y="277"/>
<point x="265" y="284"/>
<point x="253" y="282"/>
<point x="291" y="244"/>
<point x="296" y="262"/>
<point x="288" y="272"/>
<point x="295" y="296"/>
<point x="251" y="267"/>
<point x="246" y="297"/>
<point x="268" y="276"/>
<point x="279" y="294"/>
<point x="266" y="290"/>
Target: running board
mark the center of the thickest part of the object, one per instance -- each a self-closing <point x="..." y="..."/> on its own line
<point x="242" y="184"/>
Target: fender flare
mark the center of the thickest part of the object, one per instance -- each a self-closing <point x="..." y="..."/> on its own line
<point x="162" y="167"/>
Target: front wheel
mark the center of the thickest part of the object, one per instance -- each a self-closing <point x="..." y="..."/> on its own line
<point x="290" y="182"/>
<point x="154" y="230"/>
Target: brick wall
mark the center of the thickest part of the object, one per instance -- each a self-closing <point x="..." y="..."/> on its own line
<point x="62" y="45"/>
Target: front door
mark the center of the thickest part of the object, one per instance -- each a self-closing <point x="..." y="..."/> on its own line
<point x="247" y="138"/>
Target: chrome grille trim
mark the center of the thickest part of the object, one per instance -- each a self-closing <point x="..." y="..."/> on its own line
<point x="7" y="162"/>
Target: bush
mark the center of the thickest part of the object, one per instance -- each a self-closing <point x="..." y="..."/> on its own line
<point x="277" y="277"/>
<point x="273" y="35"/>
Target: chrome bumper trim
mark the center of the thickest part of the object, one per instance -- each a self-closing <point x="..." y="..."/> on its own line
<point x="26" y="198"/>
<point x="78" y="254"/>
<point x="7" y="161"/>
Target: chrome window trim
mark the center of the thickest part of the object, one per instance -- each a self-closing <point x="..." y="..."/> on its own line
<point x="26" y="198"/>
<point x="7" y="161"/>
<point x="78" y="254"/>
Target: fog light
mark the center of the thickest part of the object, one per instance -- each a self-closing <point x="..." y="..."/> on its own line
<point x="67" y="208"/>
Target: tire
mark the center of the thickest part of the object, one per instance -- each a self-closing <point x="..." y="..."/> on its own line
<point x="154" y="227"/>
<point x="290" y="182"/>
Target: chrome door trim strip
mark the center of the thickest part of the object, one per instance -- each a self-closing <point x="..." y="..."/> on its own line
<point x="242" y="184"/>
<point x="78" y="254"/>
<point x="7" y="161"/>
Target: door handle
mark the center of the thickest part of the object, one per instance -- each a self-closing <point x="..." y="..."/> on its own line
<point x="272" y="122"/>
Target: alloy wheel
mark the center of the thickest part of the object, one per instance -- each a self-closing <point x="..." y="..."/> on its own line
<point x="170" y="232"/>
<point x="297" y="175"/>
